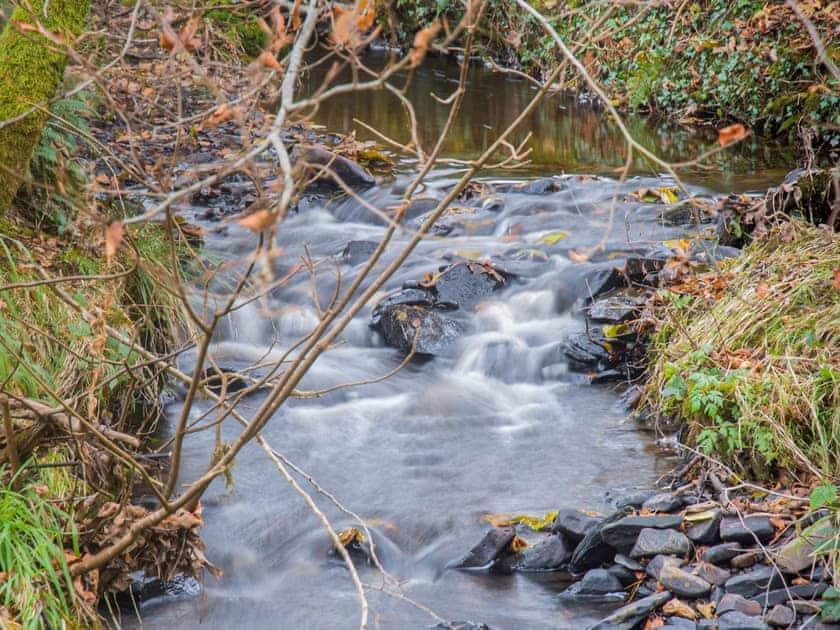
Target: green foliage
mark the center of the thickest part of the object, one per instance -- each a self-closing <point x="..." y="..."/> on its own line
<point x="825" y="497"/>
<point x="240" y="29"/>
<point x="37" y="587"/>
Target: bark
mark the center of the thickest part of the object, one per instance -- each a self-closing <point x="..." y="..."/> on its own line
<point x="31" y="71"/>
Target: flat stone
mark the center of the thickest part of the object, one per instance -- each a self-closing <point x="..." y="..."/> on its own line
<point x="739" y="621"/>
<point x="633" y="612"/>
<point x="733" y="530"/>
<point x="754" y="582"/>
<point x="663" y="502"/>
<point x="549" y="554"/>
<point x="707" y="531"/>
<point x="633" y="499"/>
<point x="614" y="310"/>
<point x="798" y="554"/>
<point x="731" y="602"/>
<point x="682" y="583"/>
<point x="711" y="573"/>
<point x="745" y="560"/>
<point x="654" y="567"/>
<point x="622" y="533"/>
<point x="652" y="542"/>
<point x="628" y="563"/>
<point x="811" y="590"/>
<point x="495" y="543"/>
<point x="721" y="554"/>
<point x="599" y="582"/>
<point x="679" y="623"/>
<point x="574" y="524"/>
<point x="780" y="616"/>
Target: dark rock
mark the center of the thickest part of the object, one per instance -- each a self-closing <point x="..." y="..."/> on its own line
<point x="633" y="499"/>
<point x="745" y="560"/>
<point x="733" y="530"/>
<point x="218" y="377"/>
<point x="358" y="251"/>
<point x="460" y="625"/>
<point x="731" y="602"/>
<point x="680" y="623"/>
<point x="584" y="352"/>
<point x="574" y="524"/>
<point x="652" y="542"/>
<point x="418" y="206"/>
<point x="495" y="544"/>
<point x="798" y="554"/>
<point x="811" y="590"/>
<point x="627" y="617"/>
<point x="628" y="563"/>
<point x="466" y="284"/>
<point x="602" y="281"/>
<point x="549" y="554"/>
<point x="624" y="575"/>
<point x="617" y="309"/>
<point x="541" y="186"/>
<point x="408" y="296"/>
<point x="638" y="268"/>
<point x="663" y="502"/>
<point x="657" y="563"/>
<point x="599" y="582"/>
<point x="622" y="533"/>
<point x="682" y="583"/>
<point x="400" y="324"/>
<point x="721" y="554"/>
<point x="739" y="621"/>
<point x="753" y="582"/>
<point x="591" y="552"/>
<point x="705" y="532"/>
<point x="327" y="168"/>
<point x="711" y="573"/>
<point x="780" y="616"/>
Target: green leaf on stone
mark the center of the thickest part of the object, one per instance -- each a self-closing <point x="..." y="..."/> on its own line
<point x="536" y="523"/>
<point x="553" y="237"/>
<point x="612" y="331"/>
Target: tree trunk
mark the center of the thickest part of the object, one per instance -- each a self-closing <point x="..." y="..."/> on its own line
<point x="31" y="71"/>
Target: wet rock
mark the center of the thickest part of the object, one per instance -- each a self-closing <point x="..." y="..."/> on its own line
<point x="624" y="575"/>
<point x="663" y="502"/>
<point x="739" y="621"/>
<point x="599" y="582"/>
<point x="633" y="499"/>
<point x="629" y="616"/>
<point x="682" y="583"/>
<point x="798" y="554"/>
<point x="583" y="352"/>
<point x="811" y="590"/>
<point x="615" y="309"/>
<point x="418" y="206"/>
<point x="495" y="544"/>
<point x="543" y="186"/>
<point x="679" y="623"/>
<point x="780" y="616"/>
<point x="745" y="560"/>
<point x="328" y="168"/>
<point x="713" y="252"/>
<point x="753" y="582"/>
<point x="711" y="573"/>
<point x="219" y="377"/>
<point x="602" y="281"/>
<point x="657" y="563"/>
<point x="460" y="625"/>
<point x="591" y="552"/>
<point x="574" y="524"/>
<point x="628" y="563"/>
<point x="706" y="531"/>
<point x="637" y="268"/>
<point x="401" y="324"/>
<point x="622" y="533"/>
<point x="652" y="542"/>
<point x="466" y="284"/>
<point x="731" y="602"/>
<point x="549" y="554"/>
<point x="358" y="251"/>
<point x="733" y="530"/>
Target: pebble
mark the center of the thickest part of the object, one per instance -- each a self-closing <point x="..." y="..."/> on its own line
<point x="739" y="621"/>
<point x="731" y="602"/>
<point x="652" y="542"/>
<point x="720" y="554"/>
<point x="780" y="616"/>
<point x="682" y="583"/>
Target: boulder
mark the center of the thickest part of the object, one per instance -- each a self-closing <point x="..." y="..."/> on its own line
<point x="574" y="524"/>
<point x="652" y="542"/>
<point x="663" y="502"/>
<point x="549" y="554"/>
<point x="465" y="284"/>
<point x="705" y="531"/>
<point x="327" y="168"/>
<point x="622" y="533"/>
<point x="401" y="324"/>
<point x="494" y="545"/>
<point x="683" y="583"/>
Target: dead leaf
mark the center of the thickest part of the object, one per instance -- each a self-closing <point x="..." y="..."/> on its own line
<point x="762" y="290"/>
<point x="267" y="59"/>
<point x="296" y="15"/>
<point x="678" y="608"/>
<point x="731" y="134"/>
<point x="518" y="544"/>
<point x="707" y="610"/>
<point x="258" y="221"/>
<point x="350" y="535"/>
<point x="222" y="114"/>
<point x="577" y="257"/>
<point x="113" y="238"/>
<point x="836" y="282"/>
<point x="422" y="40"/>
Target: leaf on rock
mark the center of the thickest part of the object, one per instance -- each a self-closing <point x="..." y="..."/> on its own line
<point x="707" y="610"/>
<point x="518" y="544"/>
<point x="537" y="523"/>
<point x="113" y="238"/>
<point x="553" y="237"/>
<point x="350" y="535"/>
<point x="678" y="608"/>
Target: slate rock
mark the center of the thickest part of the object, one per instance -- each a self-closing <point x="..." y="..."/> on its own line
<point x="809" y="591"/>
<point x="628" y="563"/>
<point x="624" y="575"/>
<point x="739" y="621"/>
<point x="356" y="252"/>
<point x="780" y="616"/>
<point x="495" y="544"/>
<point x="574" y="524"/>
<point x="599" y="582"/>
<point x="705" y="532"/>
<point x="652" y="542"/>
<point x="732" y="530"/>
<point x="400" y="324"/>
<point x="663" y="502"/>
<point x="711" y="573"/>
<point x="753" y="582"/>
<point x="336" y="167"/>
<point x="731" y="602"/>
<point x="721" y="554"/>
<point x="549" y="554"/>
<point x="590" y="552"/>
<point x="633" y="499"/>
<point x="657" y="563"/>
<point x="460" y="625"/>
<point x="602" y="281"/>
<point x="466" y="284"/>
<point x="622" y="533"/>
<point x="584" y="352"/>
<point x="616" y="309"/>
<point x="745" y="560"/>
<point x="680" y="623"/>
<point x="633" y="612"/>
<point x="798" y="554"/>
<point x="682" y="583"/>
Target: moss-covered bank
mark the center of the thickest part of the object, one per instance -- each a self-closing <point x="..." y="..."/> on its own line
<point x="746" y="60"/>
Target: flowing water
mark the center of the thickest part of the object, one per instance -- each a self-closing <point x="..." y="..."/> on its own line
<point x="498" y="426"/>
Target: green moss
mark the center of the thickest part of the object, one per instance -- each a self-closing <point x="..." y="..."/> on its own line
<point x="31" y="70"/>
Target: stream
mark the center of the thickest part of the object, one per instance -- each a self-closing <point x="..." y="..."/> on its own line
<point x="497" y="425"/>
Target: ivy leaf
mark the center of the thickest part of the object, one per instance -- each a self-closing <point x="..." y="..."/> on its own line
<point x="823" y="495"/>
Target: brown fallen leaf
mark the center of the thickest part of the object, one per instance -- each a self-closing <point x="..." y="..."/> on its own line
<point x="836" y="282"/>
<point x="296" y="15"/>
<point x="678" y="608"/>
<point x="258" y="221"/>
<point x="267" y="59"/>
<point x="422" y="40"/>
<point x="731" y="134"/>
<point x="518" y="544"/>
<point x="577" y="256"/>
<point x="762" y="290"/>
<point x="113" y="238"/>
<point x="707" y="610"/>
